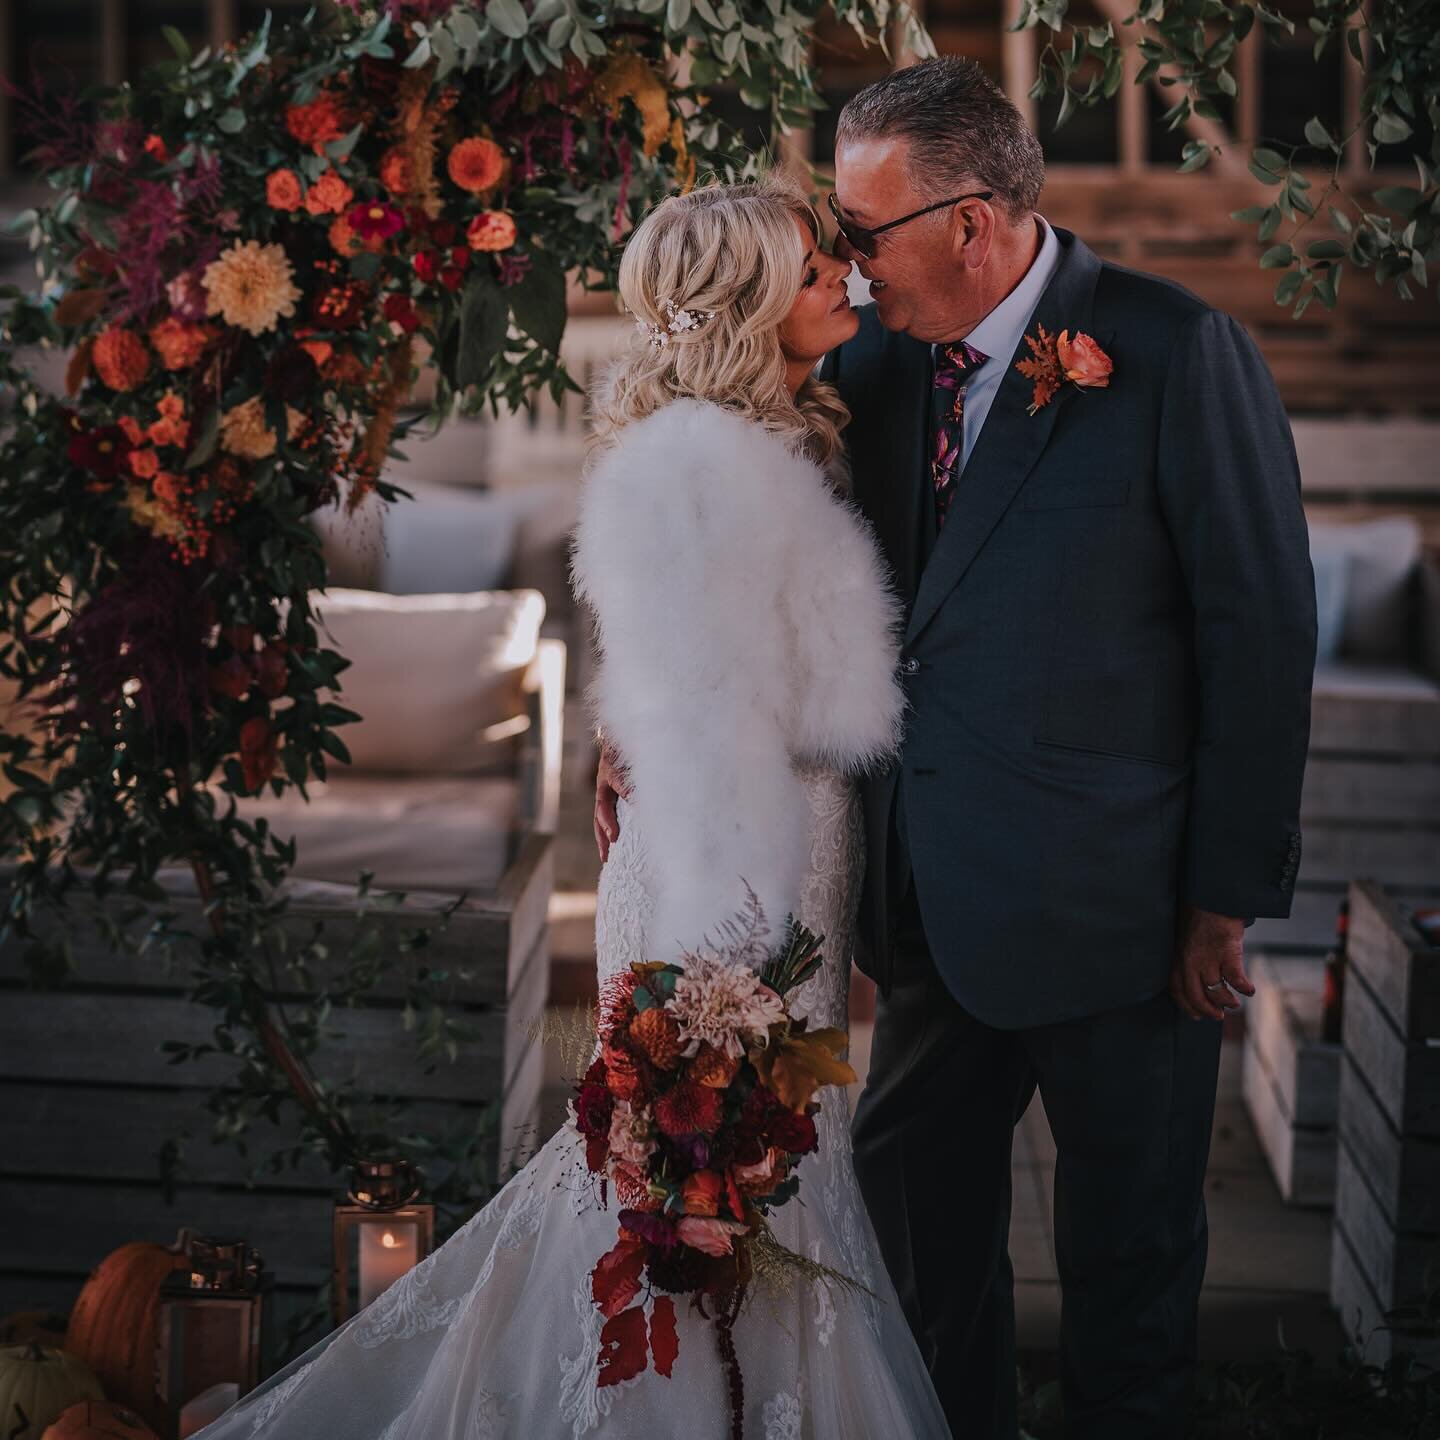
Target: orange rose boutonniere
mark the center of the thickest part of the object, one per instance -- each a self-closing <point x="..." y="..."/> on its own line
<point x="1056" y="359"/>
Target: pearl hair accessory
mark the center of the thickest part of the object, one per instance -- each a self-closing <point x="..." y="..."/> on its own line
<point x="680" y="321"/>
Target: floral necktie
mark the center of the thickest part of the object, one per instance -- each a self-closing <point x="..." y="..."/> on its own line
<point x="955" y="367"/>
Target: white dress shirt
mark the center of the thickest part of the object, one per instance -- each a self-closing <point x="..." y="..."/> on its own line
<point x="999" y="334"/>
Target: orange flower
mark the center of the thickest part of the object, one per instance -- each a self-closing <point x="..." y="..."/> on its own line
<point x="168" y="432"/>
<point x="121" y="358"/>
<point x="491" y="230"/>
<point x="475" y="164"/>
<point x="171" y="406"/>
<point x="343" y="239"/>
<point x="144" y="463"/>
<point x="329" y="195"/>
<point x="320" y="351"/>
<point x="282" y="190"/>
<point x="317" y="122"/>
<point x="701" y="1193"/>
<point x="167" y="487"/>
<point x="395" y="171"/>
<point x="155" y="148"/>
<point x="179" y="345"/>
<point x="1084" y="361"/>
<point x="134" y="433"/>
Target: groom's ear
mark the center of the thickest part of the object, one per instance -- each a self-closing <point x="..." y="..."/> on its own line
<point x="972" y="230"/>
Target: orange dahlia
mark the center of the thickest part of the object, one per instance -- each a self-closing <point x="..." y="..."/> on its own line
<point x="329" y="195"/>
<point x="178" y="344"/>
<point x="475" y="164"/>
<point x="282" y="190"/>
<point x="655" y="1033"/>
<point x="121" y="358"/>
<point x="317" y="122"/>
<point x="491" y="230"/>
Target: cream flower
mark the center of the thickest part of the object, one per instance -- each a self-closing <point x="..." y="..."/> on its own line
<point x="147" y="511"/>
<point x="243" y="430"/>
<point x="251" y="285"/>
<point x="632" y="1136"/>
<point x="722" y="1005"/>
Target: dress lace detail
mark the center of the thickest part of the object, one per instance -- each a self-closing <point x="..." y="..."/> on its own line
<point x="495" y="1334"/>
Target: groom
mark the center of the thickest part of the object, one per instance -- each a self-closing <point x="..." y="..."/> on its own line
<point x="1109" y="644"/>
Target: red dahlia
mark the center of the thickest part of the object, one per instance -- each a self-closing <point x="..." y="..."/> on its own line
<point x="689" y="1109"/>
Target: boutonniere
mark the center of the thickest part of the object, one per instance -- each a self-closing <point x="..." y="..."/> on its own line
<point x="1057" y="359"/>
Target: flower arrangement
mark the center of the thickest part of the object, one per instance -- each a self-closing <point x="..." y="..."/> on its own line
<point x="1056" y="360"/>
<point x="695" y="1112"/>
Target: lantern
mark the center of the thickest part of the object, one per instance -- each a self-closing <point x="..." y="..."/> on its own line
<point x="211" y="1321"/>
<point x="379" y="1234"/>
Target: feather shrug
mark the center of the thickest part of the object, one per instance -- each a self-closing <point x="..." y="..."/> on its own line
<point x="746" y="626"/>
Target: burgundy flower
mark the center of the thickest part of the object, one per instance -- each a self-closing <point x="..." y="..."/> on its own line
<point x="444" y="233"/>
<point x="400" y="310"/>
<point x="793" y="1133"/>
<point x="376" y="220"/>
<point x="652" y="1229"/>
<point x="594" y="1109"/>
<point x="427" y="265"/>
<point x="292" y="374"/>
<point x="102" y="452"/>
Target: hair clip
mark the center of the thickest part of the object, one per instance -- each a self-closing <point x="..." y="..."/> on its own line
<point x="680" y="322"/>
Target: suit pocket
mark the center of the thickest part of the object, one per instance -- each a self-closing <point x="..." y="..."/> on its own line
<point x="1059" y="488"/>
<point x="1105" y="753"/>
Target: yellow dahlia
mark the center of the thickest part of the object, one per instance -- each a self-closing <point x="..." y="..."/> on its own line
<point x="251" y="285"/>
<point x="151" y="513"/>
<point x="243" y="430"/>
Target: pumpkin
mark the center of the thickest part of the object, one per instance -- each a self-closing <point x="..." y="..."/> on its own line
<point x="114" y="1327"/>
<point x="26" y="1325"/>
<point x="99" y="1420"/>
<point x="36" y="1384"/>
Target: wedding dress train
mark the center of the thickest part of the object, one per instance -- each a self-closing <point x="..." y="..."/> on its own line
<point x="495" y="1334"/>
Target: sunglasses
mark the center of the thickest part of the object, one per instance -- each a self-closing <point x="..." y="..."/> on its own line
<point x="862" y="239"/>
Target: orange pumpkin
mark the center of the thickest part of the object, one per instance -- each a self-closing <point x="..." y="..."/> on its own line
<point x="99" y="1420"/>
<point x="114" y="1326"/>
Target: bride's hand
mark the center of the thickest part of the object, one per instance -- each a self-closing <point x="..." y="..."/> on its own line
<point x="611" y="782"/>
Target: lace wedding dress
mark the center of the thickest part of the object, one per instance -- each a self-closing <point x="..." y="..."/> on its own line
<point x="495" y="1334"/>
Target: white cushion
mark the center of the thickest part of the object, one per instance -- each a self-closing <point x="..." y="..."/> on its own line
<point x="437" y="678"/>
<point x="1383" y="556"/>
<point x="446" y="539"/>
<point x="1330" y="559"/>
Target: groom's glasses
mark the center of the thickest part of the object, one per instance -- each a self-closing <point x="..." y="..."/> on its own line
<point x="862" y="239"/>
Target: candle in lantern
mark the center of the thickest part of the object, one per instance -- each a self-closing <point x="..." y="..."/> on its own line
<point x="388" y="1248"/>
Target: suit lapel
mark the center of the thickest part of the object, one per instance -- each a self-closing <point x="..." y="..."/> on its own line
<point x="1011" y="440"/>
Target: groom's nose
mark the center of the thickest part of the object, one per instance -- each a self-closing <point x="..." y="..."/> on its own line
<point x="842" y="247"/>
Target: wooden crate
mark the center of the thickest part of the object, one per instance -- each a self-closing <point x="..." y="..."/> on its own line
<point x="1387" y="1204"/>
<point x="1290" y="1078"/>
<point x="87" y="1099"/>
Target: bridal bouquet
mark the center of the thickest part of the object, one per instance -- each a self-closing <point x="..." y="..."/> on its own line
<point x="696" y="1111"/>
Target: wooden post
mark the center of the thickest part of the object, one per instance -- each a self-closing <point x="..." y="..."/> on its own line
<point x="114" y="59"/>
<point x="222" y="22"/>
<point x="1357" y="157"/>
<point x="1248" y="81"/>
<point x="1018" y="60"/>
<point x="1134" y="121"/>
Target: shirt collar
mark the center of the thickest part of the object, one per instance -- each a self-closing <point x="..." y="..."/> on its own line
<point x="1000" y="332"/>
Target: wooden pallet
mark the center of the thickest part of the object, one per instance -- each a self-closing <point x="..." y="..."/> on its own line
<point x="1387" y="1203"/>
<point x="1290" y="1078"/>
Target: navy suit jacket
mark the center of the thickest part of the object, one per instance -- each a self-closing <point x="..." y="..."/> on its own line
<point x="1108" y="651"/>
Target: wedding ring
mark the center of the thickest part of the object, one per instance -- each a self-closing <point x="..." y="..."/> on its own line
<point x="1218" y="985"/>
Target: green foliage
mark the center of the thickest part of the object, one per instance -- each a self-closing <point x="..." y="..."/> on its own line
<point x="1189" y="46"/>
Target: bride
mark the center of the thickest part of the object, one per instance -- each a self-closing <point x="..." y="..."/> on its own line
<point x="748" y="666"/>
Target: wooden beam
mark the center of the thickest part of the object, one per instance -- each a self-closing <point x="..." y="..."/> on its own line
<point x="1250" y="83"/>
<point x="1018" y="63"/>
<point x="114" y="57"/>
<point x="1357" y="157"/>
<point x="1134" y="119"/>
<point x="222" y="22"/>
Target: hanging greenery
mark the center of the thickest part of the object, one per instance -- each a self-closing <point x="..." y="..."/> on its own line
<point x="1320" y="222"/>
<point x="246" y="249"/>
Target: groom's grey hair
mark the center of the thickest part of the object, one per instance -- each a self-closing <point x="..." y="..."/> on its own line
<point x="963" y="132"/>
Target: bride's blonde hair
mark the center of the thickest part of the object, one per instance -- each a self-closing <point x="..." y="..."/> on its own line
<point x="733" y="249"/>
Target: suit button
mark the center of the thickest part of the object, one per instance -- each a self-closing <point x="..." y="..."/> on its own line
<point x="910" y="665"/>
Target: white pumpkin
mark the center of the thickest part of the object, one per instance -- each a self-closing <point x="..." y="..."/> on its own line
<point x="36" y="1385"/>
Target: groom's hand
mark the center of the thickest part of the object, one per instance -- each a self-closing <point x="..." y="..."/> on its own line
<point x="1211" y="949"/>
<point x="611" y="782"/>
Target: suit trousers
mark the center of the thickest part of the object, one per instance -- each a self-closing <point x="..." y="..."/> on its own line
<point x="1130" y="1096"/>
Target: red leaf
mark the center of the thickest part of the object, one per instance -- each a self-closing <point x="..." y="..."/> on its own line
<point x="622" y="1347"/>
<point x="615" y="1280"/>
<point x="664" y="1338"/>
<point x="732" y="1194"/>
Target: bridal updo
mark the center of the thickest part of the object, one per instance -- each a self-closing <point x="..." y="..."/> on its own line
<point x="734" y="250"/>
